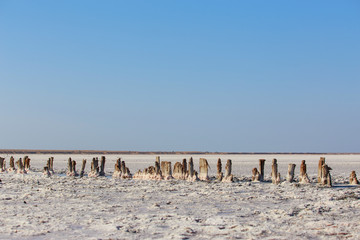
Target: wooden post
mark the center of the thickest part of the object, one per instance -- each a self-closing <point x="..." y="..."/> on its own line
<point x="291" y="170"/>
<point x="20" y="165"/>
<point x="46" y="171"/>
<point x="219" y="174"/>
<point x="2" y="164"/>
<point x="117" y="169"/>
<point x="274" y="171"/>
<point x="51" y="167"/>
<point x="27" y="163"/>
<point x="326" y="176"/>
<point x="82" y="172"/>
<point x="262" y="169"/>
<point x="228" y="176"/>
<point x="303" y="178"/>
<point x="191" y="168"/>
<point x="203" y="169"/>
<point x="12" y="165"/>
<point x="184" y="169"/>
<point x="255" y="175"/>
<point x="94" y="168"/>
<point x="166" y="170"/>
<point x="353" y="179"/>
<point x="177" y="173"/>
<point x="125" y="172"/>
<point x="70" y="167"/>
<point x="102" y="166"/>
<point x="158" y="159"/>
<point x="321" y="163"/>
<point x="192" y="174"/>
<point x="74" y="168"/>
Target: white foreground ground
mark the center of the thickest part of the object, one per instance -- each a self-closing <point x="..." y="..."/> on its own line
<point x="60" y="207"/>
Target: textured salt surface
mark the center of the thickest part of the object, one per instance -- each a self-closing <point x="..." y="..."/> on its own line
<point x="36" y="207"/>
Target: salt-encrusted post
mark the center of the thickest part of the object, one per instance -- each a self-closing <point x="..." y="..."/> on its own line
<point x="228" y="176"/>
<point x="192" y="175"/>
<point x="12" y="165"/>
<point x="184" y="169"/>
<point x="262" y="168"/>
<point x="321" y="163"/>
<point x="125" y="172"/>
<point x="166" y="170"/>
<point x="191" y="167"/>
<point x="51" y="165"/>
<point x="27" y="163"/>
<point x="94" y="172"/>
<point x="82" y="172"/>
<point x="291" y="170"/>
<point x="102" y="166"/>
<point x="70" y="167"/>
<point x="275" y="175"/>
<point x="158" y="159"/>
<point x="255" y="175"/>
<point x="219" y="174"/>
<point x="303" y="178"/>
<point x="2" y="164"/>
<point x="20" y="165"/>
<point x="326" y="176"/>
<point x="203" y="169"/>
<point x="157" y="168"/>
<point x="74" y="168"/>
<point x="117" y="169"/>
<point x="177" y="173"/>
<point x="46" y="171"/>
<point x="353" y="179"/>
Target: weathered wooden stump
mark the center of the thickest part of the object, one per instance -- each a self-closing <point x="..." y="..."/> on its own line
<point x="166" y="170"/>
<point x="125" y="172"/>
<point x="102" y="166"/>
<point x="291" y="170"/>
<point x="2" y="164"/>
<point x="262" y="169"/>
<point x="303" y="178"/>
<point x="12" y="165"/>
<point x="184" y="169"/>
<point x="353" y="179"/>
<point x="326" y="176"/>
<point x="158" y="159"/>
<point x="178" y="171"/>
<point x="27" y="163"/>
<point x="320" y="165"/>
<point x="275" y="176"/>
<point x="228" y="176"/>
<point x="219" y="174"/>
<point x="94" y="172"/>
<point x="21" y="168"/>
<point x="192" y="174"/>
<point x="71" y="168"/>
<point x="203" y="169"/>
<point x="46" y="172"/>
<point x="255" y="175"/>
<point x="51" y="165"/>
<point x="117" y="169"/>
<point x="82" y="172"/>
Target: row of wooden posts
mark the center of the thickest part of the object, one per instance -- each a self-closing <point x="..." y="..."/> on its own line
<point x="182" y="170"/>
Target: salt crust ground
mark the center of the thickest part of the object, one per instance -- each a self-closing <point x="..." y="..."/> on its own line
<point x="36" y="207"/>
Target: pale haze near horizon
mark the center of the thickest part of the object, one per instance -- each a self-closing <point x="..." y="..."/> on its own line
<point x="238" y="76"/>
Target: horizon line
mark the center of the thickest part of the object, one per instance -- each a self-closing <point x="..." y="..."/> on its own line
<point x="54" y="151"/>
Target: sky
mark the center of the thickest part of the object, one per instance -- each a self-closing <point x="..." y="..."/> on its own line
<point x="236" y="76"/>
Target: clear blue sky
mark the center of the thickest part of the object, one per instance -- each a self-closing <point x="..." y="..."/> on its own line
<point x="180" y="75"/>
